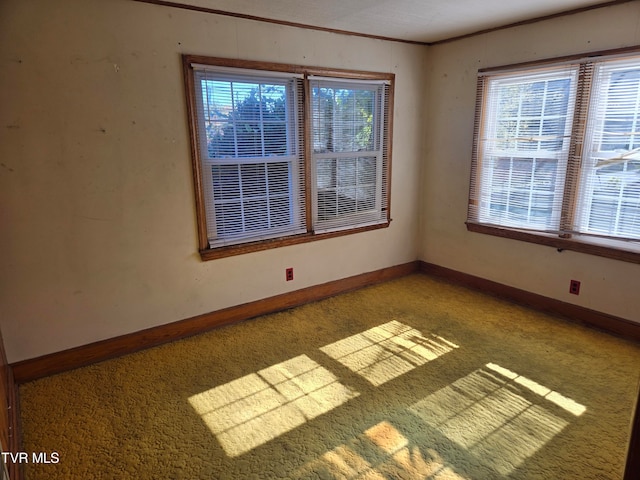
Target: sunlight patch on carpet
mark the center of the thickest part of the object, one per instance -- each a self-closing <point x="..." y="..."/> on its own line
<point x="259" y="407"/>
<point x="498" y="416"/>
<point x="387" y="351"/>
<point x="379" y="453"/>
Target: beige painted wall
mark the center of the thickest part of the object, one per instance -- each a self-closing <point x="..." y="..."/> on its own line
<point x="96" y="200"/>
<point x="607" y="285"/>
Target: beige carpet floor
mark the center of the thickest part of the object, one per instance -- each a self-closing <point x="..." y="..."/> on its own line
<point x="410" y="379"/>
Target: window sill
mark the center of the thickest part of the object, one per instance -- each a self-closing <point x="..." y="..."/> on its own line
<point x="243" y="248"/>
<point x="561" y="244"/>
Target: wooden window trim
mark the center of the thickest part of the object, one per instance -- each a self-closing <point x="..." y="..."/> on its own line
<point x="557" y="242"/>
<point x="257" y="246"/>
<point x="208" y="253"/>
<point x="560" y="242"/>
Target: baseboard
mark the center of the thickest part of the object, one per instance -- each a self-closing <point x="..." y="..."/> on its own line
<point x="609" y="323"/>
<point x="32" y="369"/>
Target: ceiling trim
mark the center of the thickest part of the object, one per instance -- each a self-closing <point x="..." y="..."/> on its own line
<point x="196" y="8"/>
<point x="573" y="11"/>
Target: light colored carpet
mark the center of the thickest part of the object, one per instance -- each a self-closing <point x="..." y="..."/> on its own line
<point x="410" y="379"/>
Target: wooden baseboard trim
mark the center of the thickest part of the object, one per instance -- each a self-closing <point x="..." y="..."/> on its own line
<point x="609" y="323"/>
<point x="32" y="369"/>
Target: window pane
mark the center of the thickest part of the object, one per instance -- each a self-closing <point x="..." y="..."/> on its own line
<point x="326" y="175"/>
<point x="531" y="115"/>
<point x="354" y="188"/>
<point x="346" y="172"/>
<point x="252" y="197"/>
<point x="541" y="207"/>
<point x="280" y="211"/>
<point x="244" y="119"/>
<point x="226" y="213"/>
<point x="343" y="119"/>
<point x="254" y="181"/>
<point x="366" y="197"/>
<point x="279" y="179"/>
<point x="622" y="116"/>
<point x="256" y="214"/>
<point x="226" y="182"/>
<point x="603" y="216"/>
<point x="630" y="218"/>
<point x="545" y="175"/>
<point x="366" y="171"/>
<point x="523" y="191"/>
<point x="615" y="205"/>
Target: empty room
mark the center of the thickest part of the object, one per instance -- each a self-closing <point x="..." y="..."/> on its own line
<point x="391" y="239"/>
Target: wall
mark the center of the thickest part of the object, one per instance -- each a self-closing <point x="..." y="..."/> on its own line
<point x="96" y="192"/>
<point x="607" y="285"/>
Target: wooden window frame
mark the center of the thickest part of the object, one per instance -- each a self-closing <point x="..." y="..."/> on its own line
<point x="208" y="253"/>
<point x="562" y="241"/>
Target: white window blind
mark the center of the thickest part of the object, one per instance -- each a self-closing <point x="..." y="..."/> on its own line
<point x="349" y="154"/>
<point x="522" y="148"/>
<point x="610" y="180"/>
<point x="557" y="151"/>
<point x="251" y="154"/>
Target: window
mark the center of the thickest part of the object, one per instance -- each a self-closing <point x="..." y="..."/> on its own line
<point x="285" y="154"/>
<point x="557" y="155"/>
<point x="250" y="155"/>
<point x="348" y="157"/>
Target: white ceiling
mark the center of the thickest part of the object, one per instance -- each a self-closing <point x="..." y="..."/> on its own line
<point x="412" y="20"/>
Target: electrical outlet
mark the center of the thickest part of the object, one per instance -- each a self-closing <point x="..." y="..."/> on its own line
<point x="574" y="287"/>
<point x="288" y="273"/>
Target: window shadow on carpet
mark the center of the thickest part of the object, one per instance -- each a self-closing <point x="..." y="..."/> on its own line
<point x="259" y="407"/>
<point x="387" y="351"/>
<point x="484" y="425"/>
<point x="498" y="416"/>
<point x="492" y="418"/>
<point x="252" y="410"/>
